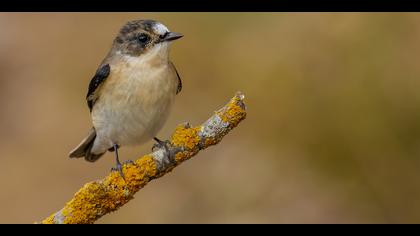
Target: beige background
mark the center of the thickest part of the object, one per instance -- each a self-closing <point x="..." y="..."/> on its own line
<point x="332" y="135"/>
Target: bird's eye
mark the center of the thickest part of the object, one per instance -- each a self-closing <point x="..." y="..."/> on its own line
<point x="143" y="38"/>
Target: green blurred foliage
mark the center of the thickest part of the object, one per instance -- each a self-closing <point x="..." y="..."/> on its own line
<point x="332" y="134"/>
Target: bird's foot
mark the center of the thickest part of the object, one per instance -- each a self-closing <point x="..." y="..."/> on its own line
<point x="118" y="168"/>
<point x="161" y="144"/>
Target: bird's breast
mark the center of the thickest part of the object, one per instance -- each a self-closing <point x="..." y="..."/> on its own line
<point x="134" y="102"/>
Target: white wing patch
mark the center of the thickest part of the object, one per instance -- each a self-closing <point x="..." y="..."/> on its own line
<point x="160" y="29"/>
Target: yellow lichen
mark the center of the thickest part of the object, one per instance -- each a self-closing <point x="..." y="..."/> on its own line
<point x="186" y="137"/>
<point x="83" y="207"/>
<point x="49" y="220"/>
<point x="182" y="156"/>
<point x="232" y="113"/>
<point x="98" y="198"/>
<point x="209" y="141"/>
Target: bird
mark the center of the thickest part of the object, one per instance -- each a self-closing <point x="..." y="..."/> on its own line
<point x="132" y="92"/>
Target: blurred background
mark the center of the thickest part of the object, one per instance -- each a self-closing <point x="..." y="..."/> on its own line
<point x="332" y="133"/>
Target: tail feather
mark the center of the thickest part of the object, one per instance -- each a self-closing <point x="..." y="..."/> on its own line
<point x="85" y="147"/>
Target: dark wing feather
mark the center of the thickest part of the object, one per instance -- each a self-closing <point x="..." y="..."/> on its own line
<point x="179" y="79"/>
<point x="100" y="76"/>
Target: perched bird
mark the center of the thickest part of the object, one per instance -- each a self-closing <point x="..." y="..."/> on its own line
<point x="132" y="92"/>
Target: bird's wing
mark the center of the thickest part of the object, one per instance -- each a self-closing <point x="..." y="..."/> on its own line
<point x="95" y="84"/>
<point x="179" y="79"/>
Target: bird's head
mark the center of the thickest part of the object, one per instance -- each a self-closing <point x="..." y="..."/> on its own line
<point x="137" y="37"/>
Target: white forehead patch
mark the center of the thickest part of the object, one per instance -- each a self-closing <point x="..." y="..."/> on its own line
<point x="160" y="29"/>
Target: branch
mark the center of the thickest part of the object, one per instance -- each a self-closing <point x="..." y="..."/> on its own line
<point x="97" y="198"/>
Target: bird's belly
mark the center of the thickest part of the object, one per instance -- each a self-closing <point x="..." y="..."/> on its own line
<point x="133" y="122"/>
<point x="133" y="108"/>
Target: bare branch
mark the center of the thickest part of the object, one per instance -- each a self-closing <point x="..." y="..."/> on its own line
<point x="101" y="197"/>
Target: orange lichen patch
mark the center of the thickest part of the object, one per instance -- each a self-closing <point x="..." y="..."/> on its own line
<point x="138" y="175"/>
<point x="233" y="113"/>
<point x="209" y="142"/>
<point x="98" y="198"/>
<point x="85" y="206"/>
<point x="182" y="156"/>
<point x="186" y="137"/>
<point x="49" y="220"/>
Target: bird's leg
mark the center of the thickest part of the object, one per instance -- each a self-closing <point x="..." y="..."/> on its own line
<point x="117" y="159"/>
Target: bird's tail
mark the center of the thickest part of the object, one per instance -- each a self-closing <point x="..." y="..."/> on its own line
<point x="84" y="148"/>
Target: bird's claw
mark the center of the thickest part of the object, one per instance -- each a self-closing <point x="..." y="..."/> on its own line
<point x="119" y="166"/>
<point x="119" y="169"/>
<point x="161" y="144"/>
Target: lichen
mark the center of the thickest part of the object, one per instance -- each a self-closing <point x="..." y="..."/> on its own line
<point x="209" y="141"/>
<point x="98" y="198"/>
<point x="186" y="137"/>
<point x="233" y="113"/>
<point x="183" y="156"/>
<point x="49" y="220"/>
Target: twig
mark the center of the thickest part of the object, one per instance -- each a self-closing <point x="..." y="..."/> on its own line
<point x="100" y="197"/>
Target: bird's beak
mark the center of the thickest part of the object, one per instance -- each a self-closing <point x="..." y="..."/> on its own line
<point x="172" y="36"/>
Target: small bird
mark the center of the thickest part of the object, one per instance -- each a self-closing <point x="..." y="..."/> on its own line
<point x="132" y="92"/>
